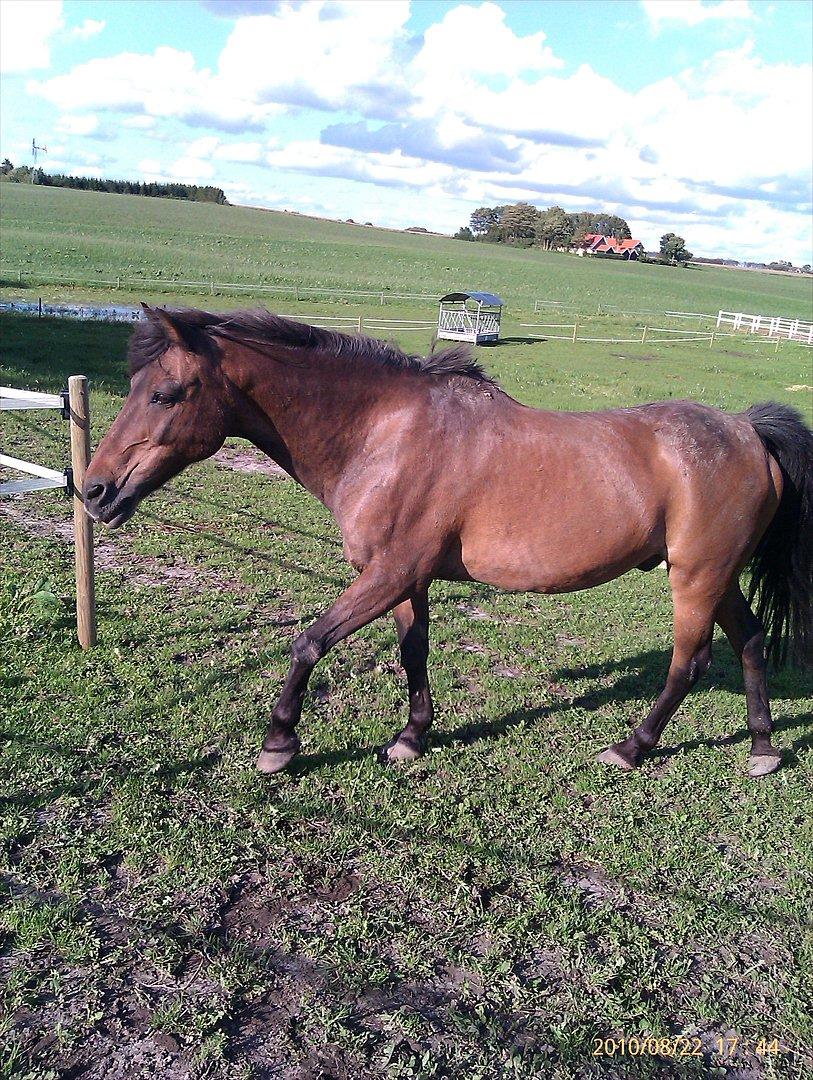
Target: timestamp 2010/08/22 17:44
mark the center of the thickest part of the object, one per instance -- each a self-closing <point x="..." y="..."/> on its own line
<point x="683" y="1046"/>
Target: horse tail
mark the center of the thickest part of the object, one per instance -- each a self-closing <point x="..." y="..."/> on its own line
<point x="782" y="564"/>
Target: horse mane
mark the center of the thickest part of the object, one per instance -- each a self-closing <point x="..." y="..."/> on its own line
<point x="260" y="330"/>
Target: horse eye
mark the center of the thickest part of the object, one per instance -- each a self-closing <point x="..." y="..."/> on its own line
<point x="162" y="399"/>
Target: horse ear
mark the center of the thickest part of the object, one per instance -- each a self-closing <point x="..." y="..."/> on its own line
<point x="174" y="329"/>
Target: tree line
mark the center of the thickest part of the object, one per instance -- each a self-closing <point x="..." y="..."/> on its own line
<point x="24" y="174"/>
<point x="525" y="225"/>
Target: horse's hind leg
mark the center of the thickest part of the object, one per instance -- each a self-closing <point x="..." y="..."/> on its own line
<point x="412" y="623"/>
<point x="694" y="625"/>
<point x="745" y="632"/>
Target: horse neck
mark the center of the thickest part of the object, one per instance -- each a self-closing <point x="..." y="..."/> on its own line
<point x="307" y="411"/>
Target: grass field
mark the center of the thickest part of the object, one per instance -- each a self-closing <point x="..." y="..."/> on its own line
<point x="81" y="235"/>
<point x="494" y="911"/>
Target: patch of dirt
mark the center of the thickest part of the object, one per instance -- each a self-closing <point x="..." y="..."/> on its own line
<point x="122" y="1010"/>
<point x="249" y="460"/>
<point x="595" y="886"/>
<point x="509" y="671"/>
<point x="109" y="554"/>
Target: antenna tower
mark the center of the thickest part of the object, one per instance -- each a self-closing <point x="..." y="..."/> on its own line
<point x="34" y="151"/>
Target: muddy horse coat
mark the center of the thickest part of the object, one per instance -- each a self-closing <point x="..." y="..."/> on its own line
<point x="431" y="472"/>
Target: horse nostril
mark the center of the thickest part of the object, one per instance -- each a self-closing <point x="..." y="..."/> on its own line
<point x="97" y="492"/>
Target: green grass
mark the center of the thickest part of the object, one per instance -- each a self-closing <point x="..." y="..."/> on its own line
<point x="490" y="911"/>
<point x="81" y="235"/>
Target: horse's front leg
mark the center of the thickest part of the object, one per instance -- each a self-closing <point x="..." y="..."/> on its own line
<point x="412" y="623"/>
<point x="375" y="591"/>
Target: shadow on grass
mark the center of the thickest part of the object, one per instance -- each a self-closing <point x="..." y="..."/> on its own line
<point x="648" y="669"/>
<point x="492" y="346"/>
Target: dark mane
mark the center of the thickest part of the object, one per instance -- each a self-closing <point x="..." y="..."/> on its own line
<point x="261" y="330"/>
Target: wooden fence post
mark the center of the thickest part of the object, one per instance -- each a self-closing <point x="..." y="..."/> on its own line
<point x="643" y="336"/>
<point x="711" y="339"/>
<point x="575" y="330"/>
<point x="82" y="524"/>
<point x="360" y="323"/>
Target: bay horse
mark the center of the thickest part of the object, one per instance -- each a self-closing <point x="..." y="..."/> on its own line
<point x="431" y="471"/>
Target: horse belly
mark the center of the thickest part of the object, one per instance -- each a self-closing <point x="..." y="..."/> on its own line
<point x="543" y="545"/>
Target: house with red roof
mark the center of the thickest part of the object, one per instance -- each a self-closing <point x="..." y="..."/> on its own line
<point x="596" y="244"/>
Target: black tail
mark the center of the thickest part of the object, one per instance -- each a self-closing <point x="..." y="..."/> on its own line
<point x="782" y="565"/>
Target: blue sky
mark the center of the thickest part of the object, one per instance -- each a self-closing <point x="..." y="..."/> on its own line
<point x="692" y="116"/>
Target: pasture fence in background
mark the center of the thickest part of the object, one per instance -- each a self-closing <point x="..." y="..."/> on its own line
<point x="298" y="292"/>
<point x="647" y="333"/>
<point x="75" y="407"/>
<point x="377" y="324"/>
<point x="768" y="325"/>
<point x="120" y="313"/>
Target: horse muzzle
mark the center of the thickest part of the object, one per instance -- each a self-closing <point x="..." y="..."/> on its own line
<point x="105" y="503"/>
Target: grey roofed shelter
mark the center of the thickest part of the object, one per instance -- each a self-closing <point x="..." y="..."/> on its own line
<point x="470" y="316"/>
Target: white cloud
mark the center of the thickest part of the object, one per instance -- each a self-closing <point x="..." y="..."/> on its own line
<point x="240" y="152"/>
<point x="77" y="125"/>
<point x="342" y="54"/>
<point x="477" y="42"/>
<point x="191" y="170"/>
<point x="26" y="30"/>
<point x="166" y="83"/>
<point x="693" y="12"/>
<point x="88" y="29"/>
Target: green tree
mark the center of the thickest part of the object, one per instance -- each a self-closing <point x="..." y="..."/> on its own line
<point x="554" y="228"/>
<point x="590" y="221"/>
<point x="519" y="222"/>
<point x="485" y="218"/>
<point x="464" y="233"/>
<point x="6" y="167"/>
<point x="673" y="248"/>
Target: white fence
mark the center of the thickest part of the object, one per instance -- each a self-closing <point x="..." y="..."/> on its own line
<point x="647" y="333"/>
<point x="211" y="286"/>
<point x="75" y="407"/>
<point x="119" y="313"/>
<point x="770" y="325"/>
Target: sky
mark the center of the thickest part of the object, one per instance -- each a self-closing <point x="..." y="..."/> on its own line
<point x="686" y="116"/>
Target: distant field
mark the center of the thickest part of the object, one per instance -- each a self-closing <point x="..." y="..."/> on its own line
<point x="492" y="912"/>
<point x="87" y="235"/>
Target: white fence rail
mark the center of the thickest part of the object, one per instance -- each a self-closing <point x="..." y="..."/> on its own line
<point x="773" y="326"/>
<point x="12" y="398"/>
<point x="44" y="479"/>
<point x="647" y="333"/>
<point x="118" y="313"/>
<point x="211" y="286"/>
<point x="74" y="404"/>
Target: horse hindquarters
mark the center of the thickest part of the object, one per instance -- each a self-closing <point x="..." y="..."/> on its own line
<point x="708" y="541"/>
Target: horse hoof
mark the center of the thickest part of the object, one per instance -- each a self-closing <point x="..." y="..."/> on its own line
<point x="763" y="764"/>
<point x="611" y="756"/>
<point x="398" y="751"/>
<point x="274" y="761"/>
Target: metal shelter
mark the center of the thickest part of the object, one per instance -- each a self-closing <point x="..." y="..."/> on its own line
<point x="470" y="316"/>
